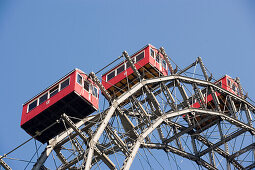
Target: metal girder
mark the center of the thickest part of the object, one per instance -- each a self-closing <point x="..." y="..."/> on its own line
<point x="4" y="165"/>
<point x="218" y="150"/>
<point x="186" y="130"/>
<point x="104" y="158"/>
<point x="215" y="98"/>
<point x="89" y="121"/>
<point x="102" y="88"/>
<point x="252" y="166"/>
<point x="224" y="140"/>
<point x="225" y="145"/>
<point x="127" y="124"/>
<point x="198" y="82"/>
<point x="231" y="106"/>
<point x="248" y="115"/>
<point x="138" y="86"/>
<point x="187" y="68"/>
<point x="177" y="139"/>
<point x="239" y="87"/>
<point x="77" y="146"/>
<point x="153" y="101"/>
<point x="98" y="133"/>
<point x="147" y="131"/>
<point x="183" y="93"/>
<point x="136" y="146"/>
<point x="162" y="51"/>
<point x="75" y="128"/>
<point x="241" y="151"/>
<point x="203" y="68"/>
<point x="60" y="156"/>
<point x="199" y="95"/>
<point x="155" y="104"/>
<point x="132" y="65"/>
<point x="117" y="140"/>
<point x="169" y="96"/>
<point x="44" y="155"/>
<point x="72" y="162"/>
<point x="212" y="159"/>
<point x="238" y="123"/>
<point x="179" y="152"/>
<point x="139" y="107"/>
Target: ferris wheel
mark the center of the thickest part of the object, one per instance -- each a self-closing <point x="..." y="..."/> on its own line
<point x="151" y="115"/>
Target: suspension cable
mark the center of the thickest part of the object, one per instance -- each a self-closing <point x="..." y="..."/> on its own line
<point x="109" y="64"/>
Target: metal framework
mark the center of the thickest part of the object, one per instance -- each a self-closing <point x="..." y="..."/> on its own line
<point x="156" y="116"/>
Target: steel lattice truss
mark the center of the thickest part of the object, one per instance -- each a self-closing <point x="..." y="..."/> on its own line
<point x="156" y="116"/>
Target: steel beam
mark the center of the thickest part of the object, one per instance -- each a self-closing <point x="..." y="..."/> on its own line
<point x="248" y="115"/>
<point x="241" y="151"/>
<point x="162" y="51"/>
<point x="218" y="150"/>
<point x="169" y="96"/>
<point x="186" y="130"/>
<point x="4" y="165"/>
<point x="104" y="158"/>
<point x="60" y="156"/>
<point x="98" y="133"/>
<point x="199" y="95"/>
<point x="72" y="162"/>
<point x="252" y="166"/>
<point x="125" y="54"/>
<point x="215" y="98"/>
<point x="198" y="82"/>
<point x="187" y="68"/>
<point x="138" y="86"/>
<point x="127" y="124"/>
<point x="203" y="68"/>
<point x="181" y="153"/>
<point x="183" y="93"/>
<point x="44" y="155"/>
<point x="239" y="87"/>
<point x="177" y="139"/>
<point x="117" y="140"/>
<point x="99" y="84"/>
<point x="224" y="140"/>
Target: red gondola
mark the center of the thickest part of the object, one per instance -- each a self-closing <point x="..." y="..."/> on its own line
<point x="148" y="61"/>
<point x="74" y="94"/>
<point x="227" y="83"/>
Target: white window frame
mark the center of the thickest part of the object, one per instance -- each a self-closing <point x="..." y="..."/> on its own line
<point x="62" y="82"/>
<point x="119" y="67"/>
<point x="90" y="84"/>
<point x="229" y="85"/>
<point x="159" y="59"/>
<point x="153" y="53"/>
<point x="31" y="103"/>
<point x="165" y="64"/>
<point x="54" y="90"/>
<point x="76" y="79"/>
<point x="138" y="55"/>
<point x="93" y="86"/>
<point x="43" y="95"/>
<point x="110" y="73"/>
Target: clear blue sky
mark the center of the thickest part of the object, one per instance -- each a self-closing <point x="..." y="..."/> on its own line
<point x="40" y="41"/>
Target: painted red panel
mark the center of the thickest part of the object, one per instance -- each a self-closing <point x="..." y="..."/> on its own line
<point x="73" y="86"/>
<point x="147" y="59"/>
<point x="225" y="86"/>
<point x="84" y="93"/>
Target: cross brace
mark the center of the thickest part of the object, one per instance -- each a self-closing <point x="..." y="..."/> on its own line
<point x="4" y="165"/>
<point x="104" y="157"/>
